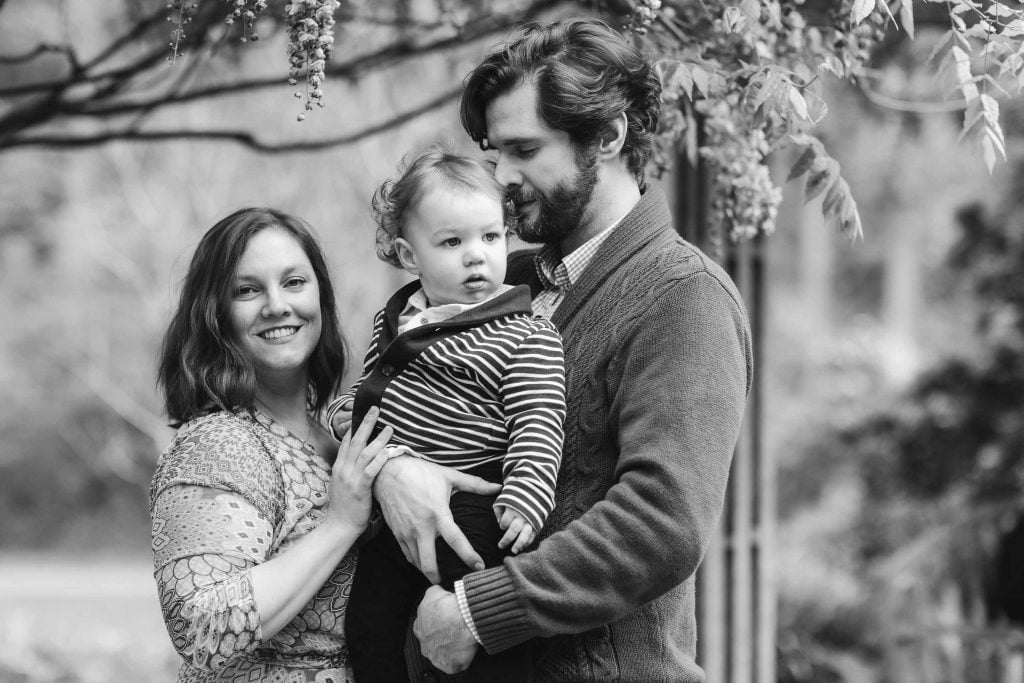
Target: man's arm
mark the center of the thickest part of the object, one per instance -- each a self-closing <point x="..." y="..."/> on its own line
<point x="676" y="412"/>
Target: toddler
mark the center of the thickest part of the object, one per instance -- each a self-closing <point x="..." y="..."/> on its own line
<point x="467" y="378"/>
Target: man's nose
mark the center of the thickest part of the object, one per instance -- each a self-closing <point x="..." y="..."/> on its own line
<point x="506" y="173"/>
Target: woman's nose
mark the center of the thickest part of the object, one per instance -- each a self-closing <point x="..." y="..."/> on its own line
<point x="276" y="305"/>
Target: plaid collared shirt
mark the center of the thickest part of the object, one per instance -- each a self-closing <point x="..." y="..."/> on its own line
<point x="558" y="273"/>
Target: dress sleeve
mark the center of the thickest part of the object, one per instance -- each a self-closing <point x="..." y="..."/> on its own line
<point x="533" y="394"/>
<point x="372" y="354"/>
<point x="214" y="516"/>
<point x="675" y="413"/>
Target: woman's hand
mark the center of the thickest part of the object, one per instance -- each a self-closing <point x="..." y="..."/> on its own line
<point x="355" y="468"/>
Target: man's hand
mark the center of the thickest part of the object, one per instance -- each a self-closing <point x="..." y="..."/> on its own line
<point x="413" y="496"/>
<point x="444" y="637"/>
<point x="519" y="533"/>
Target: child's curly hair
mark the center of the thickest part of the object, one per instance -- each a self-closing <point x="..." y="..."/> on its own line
<point x="394" y="199"/>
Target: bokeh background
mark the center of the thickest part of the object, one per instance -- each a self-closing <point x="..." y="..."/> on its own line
<point x="892" y="372"/>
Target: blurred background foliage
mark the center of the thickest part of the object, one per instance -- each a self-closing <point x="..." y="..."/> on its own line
<point x="893" y="371"/>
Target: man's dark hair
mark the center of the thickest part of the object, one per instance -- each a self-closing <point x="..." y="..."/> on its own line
<point x="202" y="366"/>
<point x="586" y="75"/>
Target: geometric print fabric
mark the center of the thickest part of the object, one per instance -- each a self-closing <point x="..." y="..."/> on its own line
<point x="231" y="491"/>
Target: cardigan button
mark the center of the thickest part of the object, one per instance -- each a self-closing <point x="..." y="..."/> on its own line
<point x="387" y="370"/>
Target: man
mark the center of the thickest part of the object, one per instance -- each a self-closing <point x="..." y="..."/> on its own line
<point x="658" y="365"/>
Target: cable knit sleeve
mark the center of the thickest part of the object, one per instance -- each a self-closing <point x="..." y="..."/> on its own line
<point x="674" y="390"/>
<point x="214" y="508"/>
<point x="533" y="395"/>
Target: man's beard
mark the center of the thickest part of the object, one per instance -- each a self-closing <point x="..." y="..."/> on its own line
<point x="560" y="213"/>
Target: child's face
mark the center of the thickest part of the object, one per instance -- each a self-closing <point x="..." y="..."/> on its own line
<point x="455" y="242"/>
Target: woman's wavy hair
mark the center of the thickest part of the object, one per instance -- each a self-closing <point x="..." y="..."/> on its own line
<point x="437" y="166"/>
<point x="586" y="75"/>
<point x="203" y="367"/>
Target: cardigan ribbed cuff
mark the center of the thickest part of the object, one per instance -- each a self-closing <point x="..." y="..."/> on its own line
<point x="499" y="619"/>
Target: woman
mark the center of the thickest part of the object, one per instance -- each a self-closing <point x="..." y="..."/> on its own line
<point x="253" y="529"/>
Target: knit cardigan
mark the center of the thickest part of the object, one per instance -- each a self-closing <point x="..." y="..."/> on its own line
<point x="658" y="366"/>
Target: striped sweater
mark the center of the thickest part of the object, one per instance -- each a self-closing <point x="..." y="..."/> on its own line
<point x="478" y="390"/>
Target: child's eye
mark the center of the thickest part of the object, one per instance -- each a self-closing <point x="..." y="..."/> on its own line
<point x="452" y="242"/>
<point x="492" y="237"/>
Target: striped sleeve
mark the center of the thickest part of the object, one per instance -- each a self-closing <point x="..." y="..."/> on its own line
<point x="346" y="399"/>
<point x="533" y="394"/>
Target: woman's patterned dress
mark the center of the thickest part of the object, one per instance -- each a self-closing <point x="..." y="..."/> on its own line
<point x="231" y="491"/>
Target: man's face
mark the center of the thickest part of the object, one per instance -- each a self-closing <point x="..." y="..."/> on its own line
<point x="549" y="183"/>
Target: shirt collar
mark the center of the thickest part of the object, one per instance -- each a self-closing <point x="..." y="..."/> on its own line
<point x="418" y="310"/>
<point x="557" y="271"/>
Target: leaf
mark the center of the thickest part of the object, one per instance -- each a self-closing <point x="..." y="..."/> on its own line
<point x="701" y="80"/>
<point x="1013" y="29"/>
<point x="805" y="140"/>
<point x="862" y="10"/>
<point x="907" y="17"/>
<point x="769" y="85"/>
<point x="849" y="223"/>
<point x="823" y="171"/>
<point x="833" y="197"/>
<point x="675" y="78"/>
<point x="884" y="6"/>
<point x="803" y="163"/>
<point x="942" y="42"/>
<point x="774" y="13"/>
<point x="998" y="9"/>
<point x="734" y="19"/>
<point x="752" y="11"/>
<point x="831" y="65"/>
<point x="988" y="153"/>
<point x="803" y="73"/>
<point x="971" y="118"/>
<point x="799" y="104"/>
<point x="964" y="76"/>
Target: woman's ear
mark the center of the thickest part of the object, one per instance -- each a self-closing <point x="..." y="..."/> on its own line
<point x="613" y="138"/>
<point x="406" y="255"/>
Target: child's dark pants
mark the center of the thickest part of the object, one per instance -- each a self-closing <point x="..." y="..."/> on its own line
<point x="387" y="589"/>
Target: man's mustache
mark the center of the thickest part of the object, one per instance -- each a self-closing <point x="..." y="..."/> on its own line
<point x="515" y="200"/>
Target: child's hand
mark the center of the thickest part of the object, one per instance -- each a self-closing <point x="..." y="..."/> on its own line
<point x="342" y="420"/>
<point x="516" y="528"/>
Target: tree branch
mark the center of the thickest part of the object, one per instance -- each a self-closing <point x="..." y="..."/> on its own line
<point x="40" y="49"/>
<point x="245" y="138"/>
<point x="112" y="89"/>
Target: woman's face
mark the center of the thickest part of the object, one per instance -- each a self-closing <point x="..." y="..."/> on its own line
<point x="275" y="306"/>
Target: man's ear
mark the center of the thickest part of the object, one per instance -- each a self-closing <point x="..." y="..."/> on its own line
<point x="613" y="137"/>
<point x="406" y="255"/>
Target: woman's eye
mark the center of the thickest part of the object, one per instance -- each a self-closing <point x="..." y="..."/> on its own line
<point x="527" y="152"/>
<point x="245" y="292"/>
<point x="294" y="282"/>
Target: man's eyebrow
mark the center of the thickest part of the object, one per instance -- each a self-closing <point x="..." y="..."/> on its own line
<point x="519" y="141"/>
